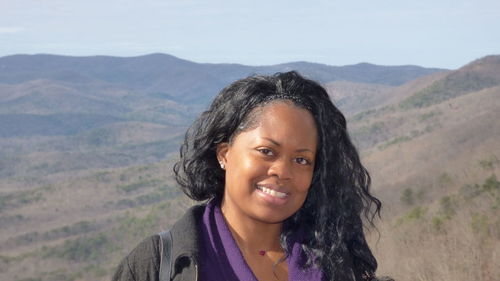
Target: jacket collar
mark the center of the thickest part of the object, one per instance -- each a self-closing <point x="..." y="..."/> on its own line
<point x="185" y="233"/>
<point x="185" y="246"/>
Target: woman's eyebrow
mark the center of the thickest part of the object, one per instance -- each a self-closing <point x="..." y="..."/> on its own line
<point x="271" y="140"/>
<point x="278" y="144"/>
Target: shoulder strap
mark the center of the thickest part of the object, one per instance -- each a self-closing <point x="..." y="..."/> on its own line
<point x="165" y="255"/>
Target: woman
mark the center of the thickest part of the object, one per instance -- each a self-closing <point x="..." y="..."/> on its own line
<point x="284" y="186"/>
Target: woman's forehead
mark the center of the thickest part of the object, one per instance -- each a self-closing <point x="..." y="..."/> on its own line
<point x="255" y="115"/>
<point x="284" y="122"/>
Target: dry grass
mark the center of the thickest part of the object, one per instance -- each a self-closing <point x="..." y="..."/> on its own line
<point x="465" y="247"/>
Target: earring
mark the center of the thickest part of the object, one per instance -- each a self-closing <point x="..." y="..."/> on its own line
<point x="222" y="165"/>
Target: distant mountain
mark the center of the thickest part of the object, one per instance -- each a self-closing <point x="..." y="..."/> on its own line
<point x="180" y="79"/>
<point x="21" y="125"/>
<point x="155" y="88"/>
<point x="362" y="72"/>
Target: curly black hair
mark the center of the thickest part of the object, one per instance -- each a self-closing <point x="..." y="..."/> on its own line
<point x="331" y="216"/>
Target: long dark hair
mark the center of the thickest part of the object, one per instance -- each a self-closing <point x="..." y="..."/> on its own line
<point x="331" y="217"/>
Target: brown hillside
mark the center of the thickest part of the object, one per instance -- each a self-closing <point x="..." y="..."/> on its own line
<point x="440" y="189"/>
<point x="478" y="75"/>
<point x="401" y="92"/>
<point x="464" y="131"/>
<point x="78" y="226"/>
<point x="353" y="97"/>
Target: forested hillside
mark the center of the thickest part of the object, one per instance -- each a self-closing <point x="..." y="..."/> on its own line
<point x="437" y="168"/>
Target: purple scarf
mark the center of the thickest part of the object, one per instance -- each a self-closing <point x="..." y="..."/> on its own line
<point x="221" y="259"/>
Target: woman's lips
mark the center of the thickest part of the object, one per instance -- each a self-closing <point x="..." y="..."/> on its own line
<point x="272" y="192"/>
<point x="272" y="196"/>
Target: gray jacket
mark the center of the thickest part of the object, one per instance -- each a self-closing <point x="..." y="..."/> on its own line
<point x="142" y="264"/>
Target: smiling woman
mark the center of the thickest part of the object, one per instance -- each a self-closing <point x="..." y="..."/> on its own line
<point x="269" y="168"/>
<point x="268" y="173"/>
<point x="283" y="186"/>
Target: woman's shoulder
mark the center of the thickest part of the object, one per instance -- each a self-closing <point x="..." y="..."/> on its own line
<point x="142" y="263"/>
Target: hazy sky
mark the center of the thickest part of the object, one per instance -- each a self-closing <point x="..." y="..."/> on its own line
<point x="432" y="33"/>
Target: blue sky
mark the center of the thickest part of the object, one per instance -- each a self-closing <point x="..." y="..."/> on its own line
<point x="437" y="33"/>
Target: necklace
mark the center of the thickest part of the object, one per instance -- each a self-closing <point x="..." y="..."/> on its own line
<point x="262" y="252"/>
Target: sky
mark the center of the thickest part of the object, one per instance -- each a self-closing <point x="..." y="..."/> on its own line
<point x="430" y="33"/>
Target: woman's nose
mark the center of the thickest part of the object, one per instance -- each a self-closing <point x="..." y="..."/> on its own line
<point x="281" y="169"/>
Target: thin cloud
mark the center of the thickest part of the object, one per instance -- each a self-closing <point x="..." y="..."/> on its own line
<point x="10" y="29"/>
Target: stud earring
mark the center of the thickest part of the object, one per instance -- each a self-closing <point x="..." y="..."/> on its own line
<point x="222" y="166"/>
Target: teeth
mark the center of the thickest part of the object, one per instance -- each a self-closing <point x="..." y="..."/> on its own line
<point x="272" y="192"/>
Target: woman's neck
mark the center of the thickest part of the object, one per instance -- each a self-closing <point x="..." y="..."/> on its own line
<point x="252" y="236"/>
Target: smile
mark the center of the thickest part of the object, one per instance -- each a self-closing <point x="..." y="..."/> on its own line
<point x="272" y="192"/>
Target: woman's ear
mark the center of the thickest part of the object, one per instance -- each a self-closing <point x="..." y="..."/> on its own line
<point x="221" y="152"/>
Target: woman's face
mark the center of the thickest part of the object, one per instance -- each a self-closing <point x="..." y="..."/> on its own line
<point x="269" y="168"/>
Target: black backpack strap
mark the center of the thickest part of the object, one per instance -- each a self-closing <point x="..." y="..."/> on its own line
<point x="165" y="255"/>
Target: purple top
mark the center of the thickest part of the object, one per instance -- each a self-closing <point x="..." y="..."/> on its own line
<point x="221" y="259"/>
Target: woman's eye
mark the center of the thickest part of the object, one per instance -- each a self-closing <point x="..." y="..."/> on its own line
<point x="266" y="151"/>
<point x="302" y="161"/>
